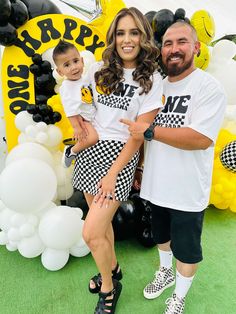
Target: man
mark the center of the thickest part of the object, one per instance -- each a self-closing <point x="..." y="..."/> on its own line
<point x="178" y="162"/>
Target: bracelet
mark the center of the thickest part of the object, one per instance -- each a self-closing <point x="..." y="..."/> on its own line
<point x="139" y="169"/>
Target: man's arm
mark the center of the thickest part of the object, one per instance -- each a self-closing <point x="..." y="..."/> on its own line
<point x="182" y="138"/>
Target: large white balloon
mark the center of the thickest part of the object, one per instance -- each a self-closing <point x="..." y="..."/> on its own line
<point x="54" y="259"/>
<point x="30" y="150"/>
<point x="61" y="227"/>
<point x="27" y="185"/>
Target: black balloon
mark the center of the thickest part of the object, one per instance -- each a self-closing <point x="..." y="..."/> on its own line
<point x="47" y="119"/>
<point x="146" y="238"/>
<point x="19" y="13"/>
<point x="149" y="15"/>
<point x="44" y="109"/>
<point x="78" y="200"/>
<point x="41" y="99"/>
<point x="56" y="117"/>
<point x="37" y="58"/>
<point x="32" y="109"/>
<point x="5" y="11"/>
<point x="161" y="21"/>
<point x="179" y="14"/>
<point x="124" y="221"/>
<point x="45" y="83"/>
<point x="8" y="35"/>
<point x="46" y="67"/>
<point x="40" y="7"/>
<point x="35" y="69"/>
<point x="37" y="117"/>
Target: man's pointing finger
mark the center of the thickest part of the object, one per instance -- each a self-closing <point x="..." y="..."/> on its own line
<point x="126" y="121"/>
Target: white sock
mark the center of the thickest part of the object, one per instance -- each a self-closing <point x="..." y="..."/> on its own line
<point x="165" y="258"/>
<point x="182" y="284"/>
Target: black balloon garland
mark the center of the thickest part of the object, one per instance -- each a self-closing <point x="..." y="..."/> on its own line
<point x="44" y="83"/>
<point x="15" y="13"/>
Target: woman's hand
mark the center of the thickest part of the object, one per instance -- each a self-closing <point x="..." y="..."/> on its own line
<point x="137" y="178"/>
<point x="106" y="190"/>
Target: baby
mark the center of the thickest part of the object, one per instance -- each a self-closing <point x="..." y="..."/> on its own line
<point x="76" y="98"/>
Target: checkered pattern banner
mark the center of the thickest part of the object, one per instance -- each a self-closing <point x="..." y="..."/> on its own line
<point x="93" y="163"/>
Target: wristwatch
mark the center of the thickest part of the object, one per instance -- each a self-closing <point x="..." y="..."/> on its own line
<point x="149" y="133"/>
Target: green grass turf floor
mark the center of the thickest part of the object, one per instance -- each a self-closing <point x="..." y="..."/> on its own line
<point x="28" y="288"/>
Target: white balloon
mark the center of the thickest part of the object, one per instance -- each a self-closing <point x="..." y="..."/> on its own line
<point x="63" y="174"/>
<point x="23" y="138"/>
<point x="61" y="227"/>
<point x="23" y="119"/>
<point x="18" y="219"/>
<point x="5" y="218"/>
<point x="65" y="191"/>
<point x="54" y="259"/>
<point x="27" y="230"/>
<point x="41" y="137"/>
<point x="54" y="136"/>
<point x="27" y="185"/>
<point x="14" y="234"/>
<point x="89" y="59"/>
<point x="80" y="249"/>
<point x="31" y="131"/>
<point x="47" y="55"/>
<point x="3" y="238"/>
<point x="31" y="247"/>
<point x="41" y="126"/>
<point x="11" y="247"/>
<point x="2" y="206"/>
<point x="224" y="49"/>
<point x="33" y="220"/>
<point x="30" y="150"/>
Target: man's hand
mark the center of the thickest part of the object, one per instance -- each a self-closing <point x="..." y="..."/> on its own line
<point x="136" y="129"/>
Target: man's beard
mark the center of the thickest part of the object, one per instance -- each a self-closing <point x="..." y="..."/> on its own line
<point x="175" y="69"/>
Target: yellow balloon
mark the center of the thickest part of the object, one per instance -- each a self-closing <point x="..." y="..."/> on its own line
<point x="204" y="24"/>
<point x="202" y="59"/>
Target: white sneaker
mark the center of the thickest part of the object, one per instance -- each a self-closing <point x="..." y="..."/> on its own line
<point x="175" y="305"/>
<point x="164" y="278"/>
<point x="68" y="156"/>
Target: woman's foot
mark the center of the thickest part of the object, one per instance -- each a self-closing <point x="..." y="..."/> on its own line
<point x="96" y="281"/>
<point x="107" y="301"/>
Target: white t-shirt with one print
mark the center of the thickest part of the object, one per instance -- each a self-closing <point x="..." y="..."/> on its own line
<point x="177" y="178"/>
<point x="126" y="104"/>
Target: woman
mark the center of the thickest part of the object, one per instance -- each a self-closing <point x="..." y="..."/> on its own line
<point x="125" y="84"/>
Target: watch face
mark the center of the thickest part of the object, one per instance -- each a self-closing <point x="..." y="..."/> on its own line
<point x="149" y="133"/>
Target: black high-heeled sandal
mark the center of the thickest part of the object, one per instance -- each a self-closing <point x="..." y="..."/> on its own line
<point x="107" y="306"/>
<point x="97" y="279"/>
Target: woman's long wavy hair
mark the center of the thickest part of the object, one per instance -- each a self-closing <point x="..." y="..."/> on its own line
<point x="111" y="73"/>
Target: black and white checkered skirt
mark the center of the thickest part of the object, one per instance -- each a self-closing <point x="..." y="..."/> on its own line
<point x="94" y="162"/>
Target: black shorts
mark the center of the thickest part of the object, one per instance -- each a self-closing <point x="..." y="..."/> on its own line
<point x="182" y="228"/>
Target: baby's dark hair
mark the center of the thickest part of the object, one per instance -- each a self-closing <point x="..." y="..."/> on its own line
<point x="62" y="47"/>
